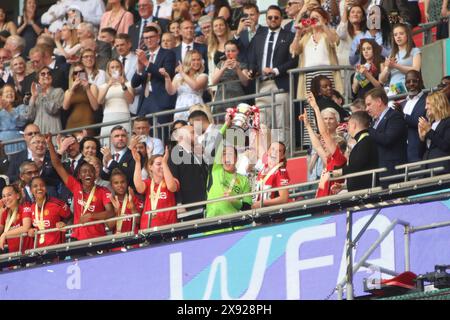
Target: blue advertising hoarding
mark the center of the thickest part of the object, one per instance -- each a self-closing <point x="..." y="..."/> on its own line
<point x="294" y="260"/>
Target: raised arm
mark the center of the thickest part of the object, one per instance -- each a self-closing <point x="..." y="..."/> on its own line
<point x="137" y="177"/>
<point x="314" y="139"/>
<point x="327" y="138"/>
<point x="171" y="182"/>
<point x="56" y="162"/>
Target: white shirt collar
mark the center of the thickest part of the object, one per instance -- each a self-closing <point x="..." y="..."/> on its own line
<point x="416" y="97"/>
<point x="77" y="158"/>
<point x="155" y="52"/>
<point x="184" y="45"/>
<point x="52" y="64"/>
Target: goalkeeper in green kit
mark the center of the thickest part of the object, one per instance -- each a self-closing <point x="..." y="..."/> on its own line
<point x="224" y="181"/>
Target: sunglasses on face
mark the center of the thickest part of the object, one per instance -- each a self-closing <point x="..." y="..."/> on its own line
<point x="76" y="72"/>
<point x="273" y="17"/>
<point x="412" y="81"/>
<point x="44" y="74"/>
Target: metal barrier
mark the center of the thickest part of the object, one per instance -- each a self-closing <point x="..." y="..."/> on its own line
<point x="427" y="30"/>
<point x="408" y="230"/>
<point x="155" y="115"/>
<point x="254" y="212"/>
<point x="196" y="204"/>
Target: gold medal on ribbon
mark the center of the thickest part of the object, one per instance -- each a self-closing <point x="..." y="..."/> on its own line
<point x="40" y="221"/>
<point x="154" y="196"/>
<point x="122" y="213"/>
<point x="88" y="203"/>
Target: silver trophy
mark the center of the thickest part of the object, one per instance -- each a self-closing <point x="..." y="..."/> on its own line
<point x="241" y="116"/>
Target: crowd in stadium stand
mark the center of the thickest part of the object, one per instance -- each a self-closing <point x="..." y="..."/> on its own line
<point x="87" y="62"/>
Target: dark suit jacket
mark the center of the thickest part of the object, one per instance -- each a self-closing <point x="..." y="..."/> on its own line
<point x="440" y="145"/>
<point x="244" y="43"/>
<point x="126" y="164"/>
<point x="158" y="99"/>
<point x="288" y="26"/>
<point x="364" y="156"/>
<point x="103" y="50"/>
<point x="15" y="160"/>
<point x="282" y="58"/>
<point x="416" y="148"/>
<point x="197" y="46"/>
<point x="390" y="137"/>
<point x="133" y="30"/>
<point x="60" y="80"/>
<point x="48" y="173"/>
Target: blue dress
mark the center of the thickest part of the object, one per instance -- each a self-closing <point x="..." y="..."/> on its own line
<point x="10" y="125"/>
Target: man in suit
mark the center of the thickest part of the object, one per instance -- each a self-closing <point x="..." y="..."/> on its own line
<point x="293" y="8"/>
<point x="119" y="157"/>
<point x="153" y="97"/>
<point x="16" y="45"/>
<point x="16" y="159"/>
<point x="388" y="130"/>
<point x="187" y="43"/>
<point x="413" y="108"/>
<point x="269" y="55"/>
<point x="129" y="62"/>
<point x="41" y="156"/>
<point x="136" y="31"/>
<point x="248" y="27"/>
<point x="364" y="155"/>
<point x="27" y="171"/>
<point x="70" y="149"/>
<point x="40" y="57"/>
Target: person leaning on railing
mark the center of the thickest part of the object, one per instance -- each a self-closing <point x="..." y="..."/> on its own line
<point x="15" y="220"/>
<point x="90" y="201"/>
<point x="436" y="131"/>
<point x="47" y="213"/>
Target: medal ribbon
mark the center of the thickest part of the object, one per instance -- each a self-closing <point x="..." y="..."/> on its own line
<point x="88" y="203"/>
<point x="40" y="221"/>
<point x="10" y="219"/>
<point x="154" y="197"/>
<point x="122" y="213"/>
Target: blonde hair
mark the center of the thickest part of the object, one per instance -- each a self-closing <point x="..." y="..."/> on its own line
<point x="440" y="105"/>
<point x="333" y="112"/>
<point x="213" y="41"/>
<point x="188" y="60"/>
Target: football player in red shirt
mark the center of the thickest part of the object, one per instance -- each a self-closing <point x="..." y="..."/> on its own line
<point x="273" y="175"/>
<point x="15" y="219"/>
<point x="47" y="213"/>
<point x="124" y="203"/>
<point x="159" y="189"/>
<point x="90" y="201"/>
